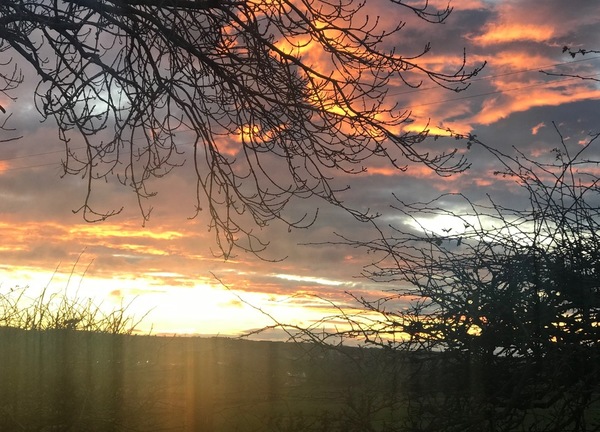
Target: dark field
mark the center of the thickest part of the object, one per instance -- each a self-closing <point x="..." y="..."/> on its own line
<point x="64" y="380"/>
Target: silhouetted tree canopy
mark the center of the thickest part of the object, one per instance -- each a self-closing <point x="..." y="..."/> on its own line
<point x="500" y="308"/>
<point x="128" y="76"/>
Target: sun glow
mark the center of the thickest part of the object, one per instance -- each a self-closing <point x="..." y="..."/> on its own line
<point x="165" y="309"/>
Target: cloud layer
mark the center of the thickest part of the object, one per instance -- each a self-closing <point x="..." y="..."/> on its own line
<point x="511" y="103"/>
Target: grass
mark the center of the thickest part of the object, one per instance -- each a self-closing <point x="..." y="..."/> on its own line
<point x="56" y="310"/>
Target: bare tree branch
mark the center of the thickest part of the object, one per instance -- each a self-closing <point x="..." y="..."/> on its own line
<point x="129" y="77"/>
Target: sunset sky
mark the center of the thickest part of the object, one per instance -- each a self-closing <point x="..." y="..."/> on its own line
<point x="168" y="266"/>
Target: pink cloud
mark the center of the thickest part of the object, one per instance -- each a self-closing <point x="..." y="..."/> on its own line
<point x="537" y="127"/>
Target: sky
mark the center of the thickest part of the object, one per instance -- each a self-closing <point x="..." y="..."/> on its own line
<point x="168" y="268"/>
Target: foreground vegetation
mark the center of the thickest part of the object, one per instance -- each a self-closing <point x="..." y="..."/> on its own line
<point x="51" y="309"/>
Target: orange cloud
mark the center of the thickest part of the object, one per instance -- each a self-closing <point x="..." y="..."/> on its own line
<point x="447" y="129"/>
<point x="421" y="171"/>
<point x="485" y="182"/>
<point x="383" y="171"/>
<point x="141" y="249"/>
<point x="498" y="33"/>
<point x="120" y="231"/>
<point x="518" y="60"/>
<point x="537" y="127"/>
<point x="18" y="234"/>
<point x="500" y="107"/>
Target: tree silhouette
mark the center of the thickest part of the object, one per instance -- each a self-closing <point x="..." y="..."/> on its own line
<point x="8" y="81"/>
<point x="499" y="311"/>
<point x="300" y="86"/>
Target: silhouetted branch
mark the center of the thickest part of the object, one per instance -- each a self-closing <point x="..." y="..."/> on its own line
<point x="140" y="82"/>
<point x="500" y="308"/>
<point x="573" y="54"/>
